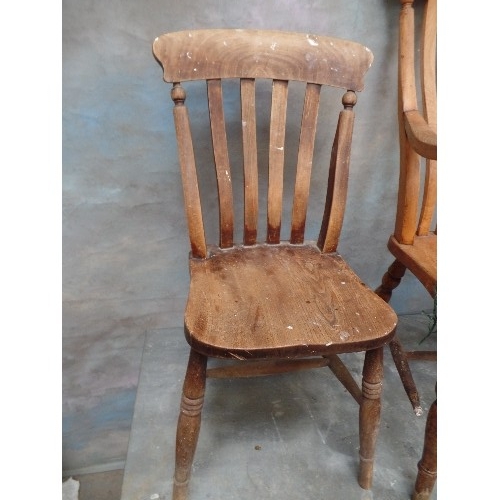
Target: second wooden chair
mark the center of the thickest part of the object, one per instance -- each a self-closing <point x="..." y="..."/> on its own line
<point x="414" y="241"/>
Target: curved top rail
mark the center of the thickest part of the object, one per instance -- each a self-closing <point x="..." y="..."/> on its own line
<point x="242" y="53"/>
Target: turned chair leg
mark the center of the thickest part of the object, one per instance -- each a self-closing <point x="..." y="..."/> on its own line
<point x="427" y="466"/>
<point x="369" y="414"/>
<point x="390" y="280"/>
<point x="188" y="426"/>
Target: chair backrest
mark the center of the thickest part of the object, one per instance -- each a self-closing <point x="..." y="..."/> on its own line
<point x="416" y="211"/>
<point x="282" y="57"/>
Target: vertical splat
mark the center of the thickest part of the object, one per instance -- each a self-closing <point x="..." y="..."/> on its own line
<point x="250" y="168"/>
<point x="221" y="156"/>
<point x="276" y="160"/>
<point x="304" y="163"/>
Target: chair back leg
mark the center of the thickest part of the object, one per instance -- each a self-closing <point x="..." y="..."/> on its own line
<point x="427" y="467"/>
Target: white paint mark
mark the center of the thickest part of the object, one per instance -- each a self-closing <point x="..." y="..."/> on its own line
<point x="236" y="356"/>
<point x="329" y="343"/>
<point x="290" y="327"/>
<point x="321" y="436"/>
<point x="344" y="335"/>
<point x="188" y="54"/>
<point x="278" y="432"/>
<point x="311" y="41"/>
<point x="342" y="282"/>
<point x="273" y="45"/>
<point x="280" y="149"/>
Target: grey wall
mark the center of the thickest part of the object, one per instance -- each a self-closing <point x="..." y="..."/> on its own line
<point x="124" y="239"/>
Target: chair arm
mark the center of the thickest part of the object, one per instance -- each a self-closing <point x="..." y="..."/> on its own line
<point x="422" y="137"/>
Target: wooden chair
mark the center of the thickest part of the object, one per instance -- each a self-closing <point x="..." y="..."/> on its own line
<point x="271" y="305"/>
<point x="414" y="242"/>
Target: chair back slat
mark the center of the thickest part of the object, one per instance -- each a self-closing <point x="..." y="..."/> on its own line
<point x="429" y="199"/>
<point x="250" y="168"/>
<point x="276" y="160"/>
<point x="304" y="162"/>
<point x="188" y="173"/>
<point x="428" y="63"/>
<point x="337" y="181"/>
<point x="222" y="167"/>
<point x="408" y="192"/>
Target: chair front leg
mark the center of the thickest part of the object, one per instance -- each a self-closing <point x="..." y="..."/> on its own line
<point x="188" y="426"/>
<point x="369" y="414"/>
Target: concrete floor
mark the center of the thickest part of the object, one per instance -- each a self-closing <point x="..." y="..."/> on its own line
<point x="100" y="485"/>
<point x="292" y="436"/>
